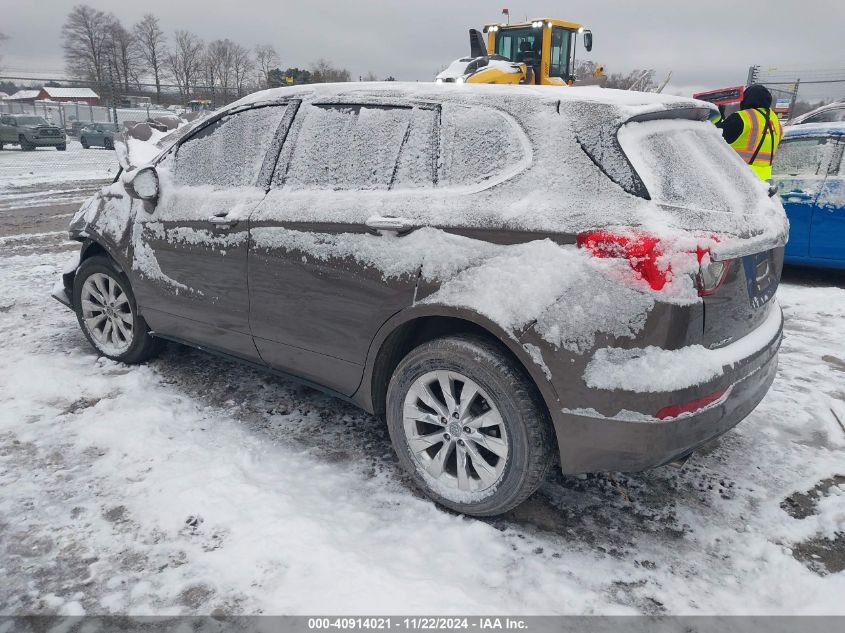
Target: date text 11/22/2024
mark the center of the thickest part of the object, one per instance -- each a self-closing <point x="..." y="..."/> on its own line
<point x="418" y="623"/>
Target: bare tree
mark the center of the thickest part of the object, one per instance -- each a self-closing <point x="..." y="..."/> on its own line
<point x="123" y="54"/>
<point x="184" y="60"/>
<point x="152" y="45"/>
<point x="370" y="76"/>
<point x="322" y="71"/>
<point x="637" y="79"/>
<point x="243" y="67"/>
<point x="266" y="59"/>
<point x="217" y="65"/>
<point x="85" y="36"/>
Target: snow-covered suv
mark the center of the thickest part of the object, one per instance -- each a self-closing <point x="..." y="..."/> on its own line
<point x="506" y="274"/>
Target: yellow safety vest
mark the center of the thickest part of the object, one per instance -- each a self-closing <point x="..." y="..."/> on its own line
<point x="758" y="155"/>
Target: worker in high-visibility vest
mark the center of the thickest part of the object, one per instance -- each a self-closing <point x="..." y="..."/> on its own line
<point x="754" y="131"/>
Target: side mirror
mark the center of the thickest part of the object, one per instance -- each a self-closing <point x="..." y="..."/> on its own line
<point x="588" y="40"/>
<point x="143" y="184"/>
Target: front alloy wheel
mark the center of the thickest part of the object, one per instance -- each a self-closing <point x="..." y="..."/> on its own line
<point x="107" y="314"/>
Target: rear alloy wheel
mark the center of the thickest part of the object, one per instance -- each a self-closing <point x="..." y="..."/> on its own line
<point x="107" y="313"/>
<point x="468" y="425"/>
<point x="108" y="143"/>
<point x="454" y="431"/>
<point x="84" y="143"/>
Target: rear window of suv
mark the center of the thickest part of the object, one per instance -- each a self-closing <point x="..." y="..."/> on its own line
<point x="688" y="164"/>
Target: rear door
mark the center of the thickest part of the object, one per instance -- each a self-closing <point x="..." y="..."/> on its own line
<point x="827" y="235"/>
<point x="322" y="282"/>
<point x="190" y="249"/>
<point x="799" y="172"/>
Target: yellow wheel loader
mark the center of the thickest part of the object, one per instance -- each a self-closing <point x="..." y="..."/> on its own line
<point x="540" y="52"/>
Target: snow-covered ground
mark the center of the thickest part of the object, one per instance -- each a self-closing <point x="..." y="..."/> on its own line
<point x="48" y="175"/>
<point x="193" y="484"/>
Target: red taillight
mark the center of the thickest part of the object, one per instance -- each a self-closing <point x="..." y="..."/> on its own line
<point x="673" y="411"/>
<point x="644" y="252"/>
<point x="640" y="249"/>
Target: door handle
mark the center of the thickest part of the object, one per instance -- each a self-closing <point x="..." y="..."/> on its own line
<point x="387" y="223"/>
<point x="222" y="221"/>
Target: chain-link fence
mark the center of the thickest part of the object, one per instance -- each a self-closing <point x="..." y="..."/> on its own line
<point x="798" y="91"/>
<point x="79" y="156"/>
<point x="41" y="166"/>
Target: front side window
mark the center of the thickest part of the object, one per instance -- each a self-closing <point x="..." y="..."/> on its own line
<point x="802" y="157"/>
<point x="361" y="147"/>
<point x="560" y="53"/>
<point x="520" y="45"/>
<point x="230" y="151"/>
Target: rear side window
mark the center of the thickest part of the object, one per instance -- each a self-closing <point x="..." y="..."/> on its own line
<point x="362" y="147"/>
<point x="480" y="146"/>
<point x="803" y="157"/>
<point x="230" y="151"/>
<point x="688" y="164"/>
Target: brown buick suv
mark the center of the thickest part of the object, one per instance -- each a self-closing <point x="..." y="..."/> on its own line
<point x="508" y="276"/>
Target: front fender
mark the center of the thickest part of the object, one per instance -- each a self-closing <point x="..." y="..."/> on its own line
<point x="105" y="220"/>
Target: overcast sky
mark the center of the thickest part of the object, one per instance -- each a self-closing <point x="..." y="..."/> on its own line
<point x="705" y="44"/>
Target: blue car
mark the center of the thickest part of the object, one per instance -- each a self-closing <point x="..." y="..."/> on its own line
<point x="98" y="135"/>
<point x="809" y="174"/>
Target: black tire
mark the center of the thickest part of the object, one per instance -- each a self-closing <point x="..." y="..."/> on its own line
<point x="1" y="146"/>
<point x="529" y="431"/>
<point x="142" y="346"/>
<point x="62" y="147"/>
<point x="108" y="143"/>
<point x="25" y="145"/>
<point x="84" y="143"/>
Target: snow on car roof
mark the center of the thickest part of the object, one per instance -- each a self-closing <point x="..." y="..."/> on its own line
<point x="629" y="102"/>
<point x="815" y="129"/>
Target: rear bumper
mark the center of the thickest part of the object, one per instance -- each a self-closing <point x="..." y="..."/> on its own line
<point x="630" y="441"/>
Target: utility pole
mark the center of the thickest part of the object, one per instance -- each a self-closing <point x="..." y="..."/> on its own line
<point x="113" y="97"/>
<point x="794" y="97"/>
<point x="753" y="74"/>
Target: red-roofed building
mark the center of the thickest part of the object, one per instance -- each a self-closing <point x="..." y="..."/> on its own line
<point x="73" y="95"/>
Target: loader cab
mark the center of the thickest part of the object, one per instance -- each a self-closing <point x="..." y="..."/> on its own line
<point x="545" y="46"/>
